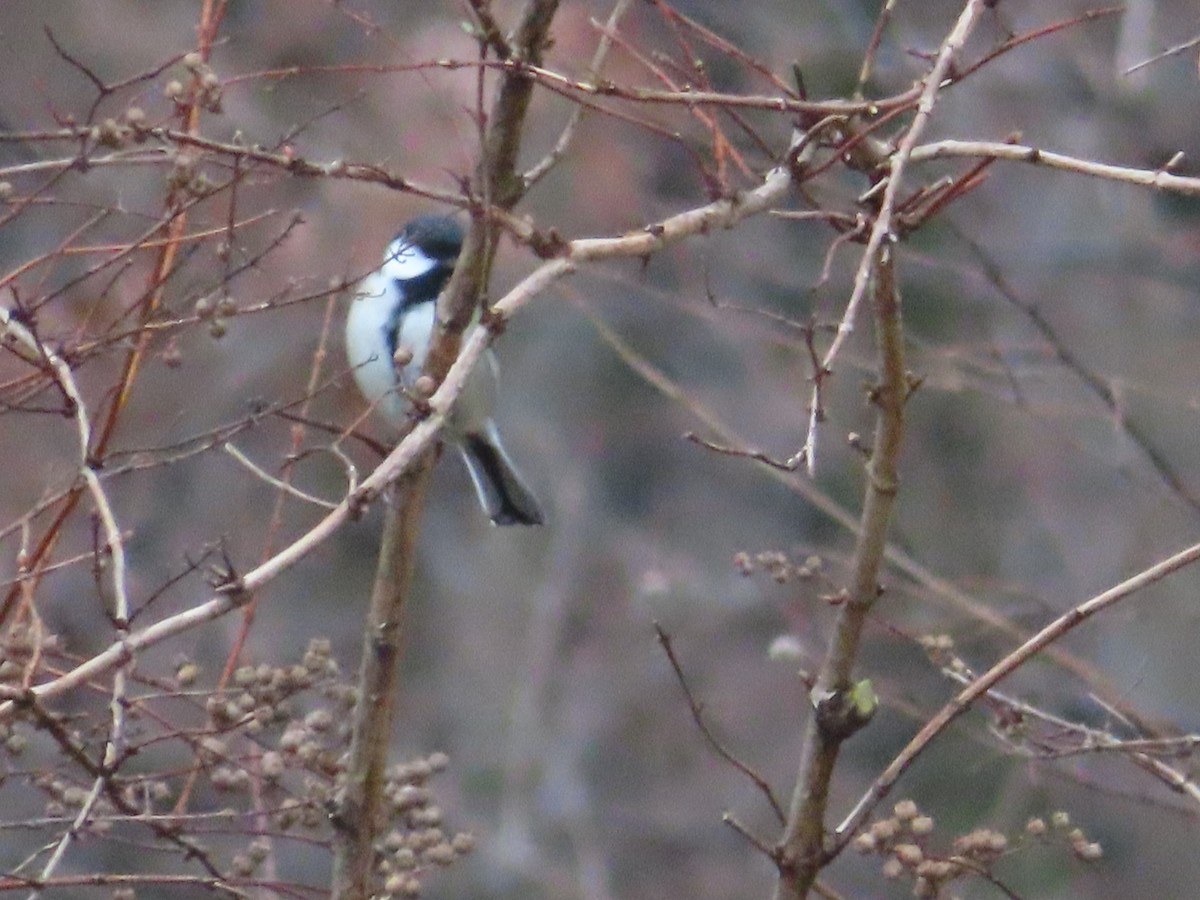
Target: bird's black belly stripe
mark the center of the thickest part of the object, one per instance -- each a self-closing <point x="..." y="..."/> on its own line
<point x="413" y="292"/>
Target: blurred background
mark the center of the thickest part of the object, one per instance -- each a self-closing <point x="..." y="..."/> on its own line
<point x="1051" y="451"/>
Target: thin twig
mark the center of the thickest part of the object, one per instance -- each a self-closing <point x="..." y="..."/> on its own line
<point x="868" y="62"/>
<point x="784" y="465"/>
<point x="1158" y="179"/>
<point x="277" y="483"/>
<point x="882" y="227"/>
<point x="1002" y="669"/>
<point x="697" y="711"/>
<point x="835" y="716"/>
<point x="567" y="135"/>
<point x="749" y="836"/>
<point x="1169" y="52"/>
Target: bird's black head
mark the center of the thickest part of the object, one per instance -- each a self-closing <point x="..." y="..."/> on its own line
<point x="438" y="237"/>
<point x="420" y="261"/>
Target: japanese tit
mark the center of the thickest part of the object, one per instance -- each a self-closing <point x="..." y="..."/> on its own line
<point x="388" y="332"/>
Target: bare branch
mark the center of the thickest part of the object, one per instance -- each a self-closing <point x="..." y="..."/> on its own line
<point x="1157" y="179"/>
<point x="697" y="711"/>
<point x="539" y="171"/>
<point x="836" y="714"/>
<point x="1005" y="667"/>
<point x="882" y="227"/>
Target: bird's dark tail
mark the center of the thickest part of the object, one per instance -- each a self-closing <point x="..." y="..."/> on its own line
<point x="502" y="492"/>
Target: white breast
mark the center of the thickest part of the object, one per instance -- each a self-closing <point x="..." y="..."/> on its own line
<point x="370" y="357"/>
<point x="367" y="348"/>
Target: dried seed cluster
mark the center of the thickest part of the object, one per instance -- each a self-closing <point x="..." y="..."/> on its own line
<point x="902" y="842"/>
<point x="417" y="841"/>
<point x="303" y="771"/>
<point x="266" y="756"/>
<point x="940" y="650"/>
<point x="777" y="565"/>
<point x="203" y="88"/>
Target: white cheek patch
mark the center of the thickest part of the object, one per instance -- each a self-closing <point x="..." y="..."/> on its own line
<point x="405" y="261"/>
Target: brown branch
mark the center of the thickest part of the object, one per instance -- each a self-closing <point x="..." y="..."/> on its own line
<point x="834" y="717"/>
<point x="360" y="804"/>
<point x="784" y="465"/>
<point x="783" y="102"/>
<point x="1002" y="669"/>
<point x="497" y="183"/>
<point x="552" y="158"/>
<point x="882" y="229"/>
<point x="697" y="711"/>
<point x="489" y="32"/>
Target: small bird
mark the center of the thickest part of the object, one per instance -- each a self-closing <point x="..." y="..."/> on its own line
<point x="388" y="333"/>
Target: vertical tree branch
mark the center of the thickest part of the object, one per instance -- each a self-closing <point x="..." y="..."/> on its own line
<point x="883" y="228"/>
<point x="498" y="183"/>
<point x="837" y="713"/>
<point x="361" y="803"/>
